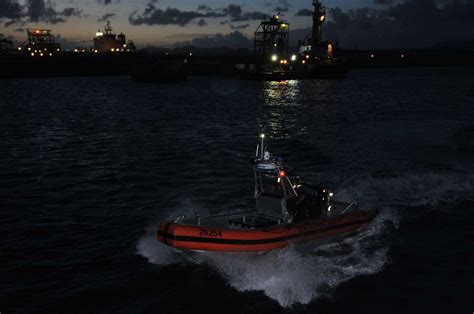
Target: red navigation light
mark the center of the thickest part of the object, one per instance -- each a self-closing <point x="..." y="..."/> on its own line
<point x="282" y="173"/>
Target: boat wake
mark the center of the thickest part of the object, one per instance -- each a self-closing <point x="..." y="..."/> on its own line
<point x="298" y="275"/>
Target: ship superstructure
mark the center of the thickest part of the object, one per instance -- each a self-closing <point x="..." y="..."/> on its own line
<point x="107" y="41"/>
<point x="271" y="43"/>
<point x="41" y="42"/>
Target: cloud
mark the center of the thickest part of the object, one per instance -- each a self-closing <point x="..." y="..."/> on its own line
<point x="172" y="16"/>
<point x="35" y="11"/>
<point x="104" y="2"/>
<point x="236" y="13"/>
<point x="409" y="24"/>
<point x="10" y="9"/>
<point x="281" y="9"/>
<point x="105" y="17"/>
<point x="304" y="12"/>
<point x="383" y="2"/>
<point x="204" y="7"/>
<point x="154" y="16"/>
<point x="232" y="40"/>
<point x="240" y="26"/>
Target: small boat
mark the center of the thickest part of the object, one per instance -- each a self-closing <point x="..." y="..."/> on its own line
<point x="287" y="212"/>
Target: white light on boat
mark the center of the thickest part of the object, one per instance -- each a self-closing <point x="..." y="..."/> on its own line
<point x="274" y="58"/>
<point x="293" y="58"/>
<point x="262" y="135"/>
<point x="329" y="208"/>
<point x="331" y="194"/>
<point x="278" y="180"/>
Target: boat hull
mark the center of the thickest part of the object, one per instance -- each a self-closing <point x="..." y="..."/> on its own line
<point x="206" y="238"/>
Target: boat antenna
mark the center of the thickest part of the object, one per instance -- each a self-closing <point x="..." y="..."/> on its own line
<point x="262" y="136"/>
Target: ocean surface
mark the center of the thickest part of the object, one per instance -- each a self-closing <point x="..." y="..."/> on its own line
<point x="90" y="165"/>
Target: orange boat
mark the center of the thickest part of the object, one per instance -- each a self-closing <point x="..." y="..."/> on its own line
<point x="287" y="212"/>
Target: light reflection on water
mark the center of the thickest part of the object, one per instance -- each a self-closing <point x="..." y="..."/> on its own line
<point x="287" y="105"/>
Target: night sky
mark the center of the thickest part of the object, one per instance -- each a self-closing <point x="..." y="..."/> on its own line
<point x="355" y="23"/>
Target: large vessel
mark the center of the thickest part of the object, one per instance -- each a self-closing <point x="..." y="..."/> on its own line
<point x="107" y="41"/>
<point x="287" y="212"/>
<point x="314" y="59"/>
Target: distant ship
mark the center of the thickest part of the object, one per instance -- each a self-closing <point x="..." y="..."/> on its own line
<point x="272" y="59"/>
<point x="109" y="42"/>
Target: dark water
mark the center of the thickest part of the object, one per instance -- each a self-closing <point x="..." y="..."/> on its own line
<point x="88" y="166"/>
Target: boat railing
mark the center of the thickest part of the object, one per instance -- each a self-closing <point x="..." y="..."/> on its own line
<point x="352" y="206"/>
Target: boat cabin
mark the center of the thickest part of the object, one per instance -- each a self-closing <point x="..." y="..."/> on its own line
<point x="280" y="198"/>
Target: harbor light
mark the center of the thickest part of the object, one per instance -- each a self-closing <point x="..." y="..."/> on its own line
<point x="29" y="48"/>
<point x="293" y="58"/>
<point x="262" y="135"/>
<point x="50" y="54"/>
<point x="274" y="58"/>
<point x="322" y="18"/>
<point x="32" y="54"/>
<point x="112" y="49"/>
<point x="303" y="61"/>
<point x="41" y="54"/>
<point x="277" y="17"/>
<point x="19" y="48"/>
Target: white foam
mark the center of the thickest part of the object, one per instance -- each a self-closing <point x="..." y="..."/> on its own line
<point x="292" y="276"/>
<point x="427" y="189"/>
<point x="154" y="251"/>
